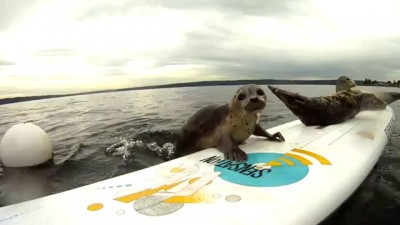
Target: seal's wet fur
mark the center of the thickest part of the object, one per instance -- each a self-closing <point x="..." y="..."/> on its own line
<point x="226" y="126"/>
<point x="328" y="110"/>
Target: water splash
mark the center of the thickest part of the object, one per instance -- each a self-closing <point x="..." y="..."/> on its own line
<point x="122" y="148"/>
<point x="158" y="142"/>
<point x="165" y="151"/>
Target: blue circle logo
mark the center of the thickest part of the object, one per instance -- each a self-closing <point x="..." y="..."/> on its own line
<point x="263" y="170"/>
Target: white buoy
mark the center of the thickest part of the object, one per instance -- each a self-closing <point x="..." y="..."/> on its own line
<point x="25" y="145"/>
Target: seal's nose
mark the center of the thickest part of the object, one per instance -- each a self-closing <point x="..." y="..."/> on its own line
<point x="254" y="99"/>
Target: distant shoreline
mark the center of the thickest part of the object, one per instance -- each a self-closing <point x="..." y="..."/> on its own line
<point x="190" y="84"/>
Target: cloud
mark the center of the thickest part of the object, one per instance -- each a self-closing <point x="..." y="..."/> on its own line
<point x="10" y="11"/>
<point x="55" y="52"/>
<point x="266" y="8"/>
<point x="59" y="46"/>
<point x="6" y="63"/>
<point x="106" y="60"/>
<point x="231" y="51"/>
<point x="114" y="71"/>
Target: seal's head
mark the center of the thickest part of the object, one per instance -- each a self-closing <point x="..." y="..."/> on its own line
<point x="250" y="97"/>
<point x="369" y="101"/>
<point x="344" y="83"/>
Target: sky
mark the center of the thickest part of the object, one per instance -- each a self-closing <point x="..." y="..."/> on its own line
<point x="59" y="47"/>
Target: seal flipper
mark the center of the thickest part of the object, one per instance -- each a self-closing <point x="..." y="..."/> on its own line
<point x="388" y="97"/>
<point x="230" y="149"/>
<point x="369" y="101"/>
<point x="237" y="154"/>
<point x="287" y="97"/>
<point x="296" y="103"/>
<point x="259" y="131"/>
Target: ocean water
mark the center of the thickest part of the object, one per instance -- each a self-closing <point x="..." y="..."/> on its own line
<point x="100" y="136"/>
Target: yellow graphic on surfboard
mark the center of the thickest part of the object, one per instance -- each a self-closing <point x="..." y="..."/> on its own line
<point x="286" y="160"/>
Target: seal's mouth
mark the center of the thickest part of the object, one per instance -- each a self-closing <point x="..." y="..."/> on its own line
<point x="257" y="109"/>
<point x="252" y="107"/>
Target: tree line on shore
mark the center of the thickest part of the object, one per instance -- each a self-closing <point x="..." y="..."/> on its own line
<point x="369" y="82"/>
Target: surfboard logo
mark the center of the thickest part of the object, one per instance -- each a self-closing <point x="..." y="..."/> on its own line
<point x="267" y="169"/>
<point x="186" y="183"/>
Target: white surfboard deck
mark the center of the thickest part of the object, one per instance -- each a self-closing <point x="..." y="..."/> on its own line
<point x="300" y="181"/>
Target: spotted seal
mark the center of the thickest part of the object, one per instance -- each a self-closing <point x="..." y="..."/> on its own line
<point x="226" y="126"/>
<point x="344" y="83"/>
<point x="328" y="110"/>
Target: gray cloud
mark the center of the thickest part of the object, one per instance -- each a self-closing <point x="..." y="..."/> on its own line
<point x="103" y="60"/>
<point x="8" y="13"/>
<point x="110" y="9"/>
<point x="12" y="10"/>
<point x="6" y="63"/>
<point x="55" y="52"/>
<point x="114" y="71"/>
<point x="215" y="43"/>
<point x="213" y="47"/>
<point x="259" y="8"/>
<point x="236" y="6"/>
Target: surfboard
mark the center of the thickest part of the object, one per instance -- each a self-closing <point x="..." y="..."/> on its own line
<point x="299" y="181"/>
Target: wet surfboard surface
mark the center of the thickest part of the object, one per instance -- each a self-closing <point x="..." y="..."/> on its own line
<point x="299" y="181"/>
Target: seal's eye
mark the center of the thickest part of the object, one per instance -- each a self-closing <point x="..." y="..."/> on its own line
<point x="260" y="92"/>
<point x="241" y="97"/>
<point x="347" y="78"/>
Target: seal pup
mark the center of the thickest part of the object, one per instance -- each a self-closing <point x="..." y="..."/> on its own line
<point x="344" y="83"/>
<point x="328" y="110"/>
<point x="226" y="126"/>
